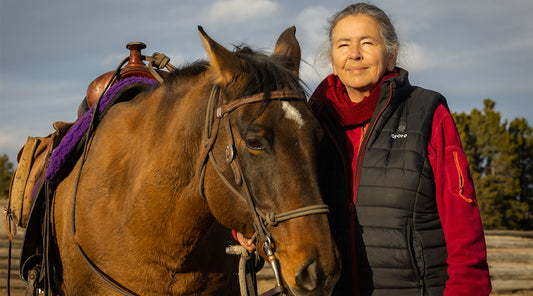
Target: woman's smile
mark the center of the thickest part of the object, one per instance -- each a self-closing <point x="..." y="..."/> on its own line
<point x="358" y="55"/>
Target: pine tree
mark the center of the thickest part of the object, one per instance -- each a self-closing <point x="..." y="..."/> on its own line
<point x="6" y="170"/>
<point x="522" y="136"/>
<point x="500" y="159"/>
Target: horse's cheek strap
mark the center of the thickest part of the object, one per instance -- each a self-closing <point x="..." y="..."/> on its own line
<point x="231" y="154"/>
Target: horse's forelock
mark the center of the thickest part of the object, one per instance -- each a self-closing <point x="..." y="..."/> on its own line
<point x="265" y="73"/>
<point x="268" y="73"/>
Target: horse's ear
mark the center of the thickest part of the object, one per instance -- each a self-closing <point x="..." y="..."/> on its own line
<point x="222" y="61"/>
<point x="289" y="47"/>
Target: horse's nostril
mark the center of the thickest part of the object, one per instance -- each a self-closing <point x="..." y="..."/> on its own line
<point x="309" y="275"/>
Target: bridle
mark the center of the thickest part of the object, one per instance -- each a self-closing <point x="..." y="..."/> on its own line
<point x="215" y="115"/>
<point x="261" y="220"/>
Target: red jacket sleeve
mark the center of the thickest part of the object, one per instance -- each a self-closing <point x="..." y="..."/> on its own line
<point x="468" y="270"/>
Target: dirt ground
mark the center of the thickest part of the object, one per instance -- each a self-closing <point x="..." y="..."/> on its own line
<point x="510" y="258"/>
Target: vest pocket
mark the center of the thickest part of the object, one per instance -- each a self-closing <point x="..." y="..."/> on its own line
<point x="412" y="253"/>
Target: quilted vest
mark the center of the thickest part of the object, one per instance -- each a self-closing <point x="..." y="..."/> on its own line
<point x="400" y="243"/>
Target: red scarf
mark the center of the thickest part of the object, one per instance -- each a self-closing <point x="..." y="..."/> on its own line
<point x="346" y="112"/>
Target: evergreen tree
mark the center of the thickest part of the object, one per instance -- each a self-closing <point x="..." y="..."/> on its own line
<point x="522" y="135"/>
<point x="500" y="159"/>
<point x="6" y="170"/>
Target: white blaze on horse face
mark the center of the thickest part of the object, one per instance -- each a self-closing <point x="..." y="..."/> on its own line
<point x="292" y="113"/>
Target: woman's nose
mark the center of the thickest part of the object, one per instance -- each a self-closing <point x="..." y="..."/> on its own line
<point x="355" y="53"/>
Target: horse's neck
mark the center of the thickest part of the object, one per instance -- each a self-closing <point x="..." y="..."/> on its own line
<point x="172" y="142"/>
<point x="175" y="124"/>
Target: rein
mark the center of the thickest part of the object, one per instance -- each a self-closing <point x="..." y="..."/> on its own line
<point x="92" y="126"/>
<point x="261" y="220"/>
<point x="156" y="61"/>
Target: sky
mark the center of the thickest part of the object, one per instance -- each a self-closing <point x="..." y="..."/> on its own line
<point x="51" y="50"/>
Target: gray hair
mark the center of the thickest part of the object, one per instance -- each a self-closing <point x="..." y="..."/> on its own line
<point x="387" y="31"/>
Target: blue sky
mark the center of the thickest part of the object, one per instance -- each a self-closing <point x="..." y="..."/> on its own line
<point x="51" y="50"/>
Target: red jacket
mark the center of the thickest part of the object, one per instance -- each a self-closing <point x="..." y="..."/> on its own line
<point x="456" y="200"/>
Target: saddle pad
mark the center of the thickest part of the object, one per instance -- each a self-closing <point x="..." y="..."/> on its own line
<point x="67" y="148"/>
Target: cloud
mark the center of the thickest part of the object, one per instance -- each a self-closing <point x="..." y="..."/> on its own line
<point x="30" y="109"/>
<point x="314" y="33"/>
<point x="416" y="57"/>
<point x="240" y="11"/>
<point x="467" y="49"/>
<point x="112" y="60"/>
<point x="313" y="37"/>
<point x="7" y="138"/>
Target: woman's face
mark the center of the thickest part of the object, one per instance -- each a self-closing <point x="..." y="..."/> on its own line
<point x="358" y="55"/>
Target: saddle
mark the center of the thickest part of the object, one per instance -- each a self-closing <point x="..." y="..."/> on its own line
<point x="25" y="198"/>
<point x="30" y="194"/>
<point x="43" y="163"/>
<point x="28" y="178"/>
<point x="34" y="157"/>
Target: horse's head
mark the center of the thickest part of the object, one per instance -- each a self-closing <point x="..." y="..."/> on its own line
<point x="262" y="173"/>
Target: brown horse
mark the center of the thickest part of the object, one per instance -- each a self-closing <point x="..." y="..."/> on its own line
<point x="159" y="191"/>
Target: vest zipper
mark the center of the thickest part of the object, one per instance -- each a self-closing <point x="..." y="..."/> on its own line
<point x="461" y="178"/>
<point x="363" y="146"/>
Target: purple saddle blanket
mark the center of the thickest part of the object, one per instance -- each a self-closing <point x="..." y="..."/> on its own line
<point x="64" y="153"/>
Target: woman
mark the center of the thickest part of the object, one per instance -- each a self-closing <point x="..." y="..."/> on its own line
<point x="405" y="216"/>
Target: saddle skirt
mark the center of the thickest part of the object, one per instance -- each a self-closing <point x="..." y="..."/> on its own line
<point x="71" y="145"/>
<point x="50" y="158"/>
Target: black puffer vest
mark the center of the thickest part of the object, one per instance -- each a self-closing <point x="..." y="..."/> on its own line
<point x="398" y="234"/>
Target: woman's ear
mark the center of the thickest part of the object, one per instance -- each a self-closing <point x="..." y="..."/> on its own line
<point x="392" y="61"/>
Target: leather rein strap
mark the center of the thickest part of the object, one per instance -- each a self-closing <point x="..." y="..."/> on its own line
<point x="261" y="220"/>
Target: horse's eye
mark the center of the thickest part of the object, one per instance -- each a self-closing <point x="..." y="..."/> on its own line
<point x="254" y="144"/>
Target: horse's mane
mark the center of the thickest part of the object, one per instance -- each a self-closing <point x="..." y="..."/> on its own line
<point x="268" y="73"/>
<point x="188" y="70"/>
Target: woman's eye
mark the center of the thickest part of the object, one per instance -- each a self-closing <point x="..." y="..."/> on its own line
<point x="254" y="144"/>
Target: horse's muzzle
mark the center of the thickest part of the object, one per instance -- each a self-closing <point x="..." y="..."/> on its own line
<point x="312" y="280"/>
